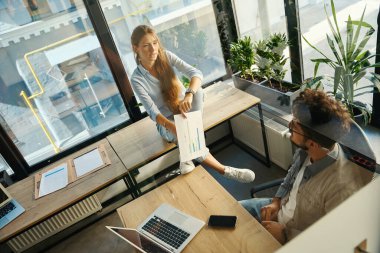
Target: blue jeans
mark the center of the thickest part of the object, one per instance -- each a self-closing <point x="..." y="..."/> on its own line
<point x="197" y="105"/>
<point x="254" y="205"/>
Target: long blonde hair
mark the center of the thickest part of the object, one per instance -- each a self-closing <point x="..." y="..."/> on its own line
<point x="170" y="86"/>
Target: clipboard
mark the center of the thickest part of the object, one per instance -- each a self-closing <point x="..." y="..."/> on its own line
<point x="72" y="170"/>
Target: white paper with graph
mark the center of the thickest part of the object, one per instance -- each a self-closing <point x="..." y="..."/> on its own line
<point x="190" y="136"/>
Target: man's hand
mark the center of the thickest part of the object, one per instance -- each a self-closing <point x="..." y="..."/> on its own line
<point x="185" y="104"/>
<point x="269" y="212"/>
<point x="276" y="229"/>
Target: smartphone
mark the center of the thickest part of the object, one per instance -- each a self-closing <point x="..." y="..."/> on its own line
<point x="227" y="221"/>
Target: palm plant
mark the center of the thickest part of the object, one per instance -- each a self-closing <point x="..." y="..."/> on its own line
<point x="242" y="57"/>
<point x="350" y="62"/>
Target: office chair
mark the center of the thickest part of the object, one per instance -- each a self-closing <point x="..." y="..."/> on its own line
<point x="357" y="148"/>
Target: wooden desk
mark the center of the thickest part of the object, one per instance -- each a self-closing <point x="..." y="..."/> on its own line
<point x="141" y="143"/>
<point x="200" y="195"/>
<point x="38" y="210"/>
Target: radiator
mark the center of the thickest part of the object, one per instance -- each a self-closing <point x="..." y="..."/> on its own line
<point x="247" y="129"/>
<point x="55" y="224"/>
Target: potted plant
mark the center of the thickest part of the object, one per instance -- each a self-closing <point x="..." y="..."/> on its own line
<point x="241" y="61"/>
<point x="350" y="62"/>
<point x="265" y="68"/>
<point x="270" y="59"/>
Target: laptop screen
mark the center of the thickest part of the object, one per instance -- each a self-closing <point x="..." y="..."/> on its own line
<point x="4" y="196"/>
<point x="138" y="241"/>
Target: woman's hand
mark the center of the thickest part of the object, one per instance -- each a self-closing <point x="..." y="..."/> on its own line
<point x="276" y="229"/>
<point x="185" y="104"/>
<point x="171" y="127"/>
<point x="269" y="212"/>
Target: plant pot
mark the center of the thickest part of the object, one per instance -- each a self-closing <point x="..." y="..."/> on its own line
<point x="240" y="83"/>
<point x="359" y="119"/>
<point x="360" y="116"/>
<point x="271" y="98"/>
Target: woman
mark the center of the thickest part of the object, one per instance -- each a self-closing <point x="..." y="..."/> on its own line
<point x="162" y="95"/>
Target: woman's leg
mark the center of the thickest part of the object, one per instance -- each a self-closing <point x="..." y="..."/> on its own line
<point x="185" y="167"/>
<point x="241" y="175"/>
<point x="210" y="161"/>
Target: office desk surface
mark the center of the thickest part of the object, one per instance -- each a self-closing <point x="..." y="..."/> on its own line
<point x="140" y="142"/>
<point x="200" y="195"/>
<point x="37" y="210"/>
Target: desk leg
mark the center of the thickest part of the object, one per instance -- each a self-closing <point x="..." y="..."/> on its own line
<point x="131" y="183"/>
<point x="268" y="163"/>
<point x="242" y="145"/>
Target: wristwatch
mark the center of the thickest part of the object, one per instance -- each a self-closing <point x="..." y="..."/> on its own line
<point x="190" y="90"/>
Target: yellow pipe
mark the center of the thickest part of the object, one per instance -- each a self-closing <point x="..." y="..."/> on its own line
<point x="26" y="56"/>
<point x="42" y="91"/>
<point x="23" y="94"/>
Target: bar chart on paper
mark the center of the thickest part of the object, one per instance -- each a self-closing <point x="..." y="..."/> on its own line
<point x="190" y="135"/>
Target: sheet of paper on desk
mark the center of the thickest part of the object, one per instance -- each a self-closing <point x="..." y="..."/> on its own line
<point x="190" y="135"/>
<point x="54" y="180"/>
<point x="88" y="162"/>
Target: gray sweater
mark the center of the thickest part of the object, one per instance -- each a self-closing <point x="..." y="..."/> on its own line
<point x="148" y="90"/>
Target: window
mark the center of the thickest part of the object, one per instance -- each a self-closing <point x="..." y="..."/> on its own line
<point x="314" y="27"/>
<point x="51" y="56"/>
<point x="4" y="166"/>
<point x="185" y="27"/>
<point x="260" y="18"/>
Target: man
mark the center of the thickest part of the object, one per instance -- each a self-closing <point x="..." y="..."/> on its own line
<point x="320" y="177"/>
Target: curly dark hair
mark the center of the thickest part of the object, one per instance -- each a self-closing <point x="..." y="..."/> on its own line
<point x="321" y="117"/>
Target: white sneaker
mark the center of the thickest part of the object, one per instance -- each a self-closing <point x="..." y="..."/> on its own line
<point x="240" y="175"/>
<point x="186" y="167"/>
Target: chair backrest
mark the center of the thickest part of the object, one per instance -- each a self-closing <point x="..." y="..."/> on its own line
<point x="357" y="147"/>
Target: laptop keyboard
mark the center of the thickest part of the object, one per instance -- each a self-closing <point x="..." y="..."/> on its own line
<point x="166" y="231"/>
<point x="6" y="209"/>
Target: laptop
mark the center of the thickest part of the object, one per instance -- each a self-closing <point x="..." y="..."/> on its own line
<point x="9" y="208"/>
<point x="166" y="230"/>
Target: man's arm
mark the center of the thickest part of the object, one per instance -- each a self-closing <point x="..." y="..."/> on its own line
<point x="287" y="185"/>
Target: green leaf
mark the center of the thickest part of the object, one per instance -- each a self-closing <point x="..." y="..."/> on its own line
<point x="333" y="49"/>
<point x="334" y="16"/>
<point x="359" y="76"/>
<point x="349" y="38"/>
<point x="365" y="87"/>
<point x="316" y="68"/>
<point x="361" y="45"/>
<point x="357" y="33"/>
<point x="364" y="24"/>
<point x="312" y="46"/>
<point x="363" y="93"/>
<point x="337" y="77"/>
<point x="336" y="33"/>
<point x="348" y="85"/>
<point x="375" y="80"/>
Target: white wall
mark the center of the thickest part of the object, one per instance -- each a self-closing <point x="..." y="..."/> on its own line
<point x="341" y="230"/>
